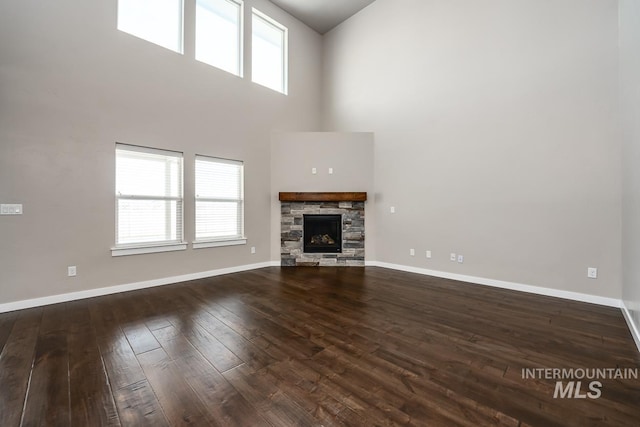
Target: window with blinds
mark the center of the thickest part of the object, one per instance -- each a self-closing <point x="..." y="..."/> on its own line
<point x="149" y="201"/>
<point x="219" y="201"/>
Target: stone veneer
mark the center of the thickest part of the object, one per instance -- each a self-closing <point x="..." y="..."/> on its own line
<point x="291" y="249"/>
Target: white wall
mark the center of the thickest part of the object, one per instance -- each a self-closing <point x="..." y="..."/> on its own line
<point x="294" y="154"/>
<point x="496" y="134"/>
<point x="630" y="103"/>
<point x="71" y="85"/>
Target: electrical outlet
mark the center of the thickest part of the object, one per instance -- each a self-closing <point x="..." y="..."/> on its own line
<point x="460" y="259"/>
<point x="392" y="209"/>
<point x="314" y="171"/>
<point x="253" y="249"/>
<point x="453" y="257"/>
<point x="428" y="254"/>
<point x="412" y="252"/>
<point x="330" y="171"/>
<point x="71" y="271"/>
<point x="592" y="273"/>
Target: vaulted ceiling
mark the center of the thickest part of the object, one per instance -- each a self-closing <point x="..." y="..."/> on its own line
<point x="322" y="15"/>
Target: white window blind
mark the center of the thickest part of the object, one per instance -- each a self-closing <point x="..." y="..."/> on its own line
<point x="219" y="34"/>
<point x="269" y="52"/>
<point x="219" y="199"/>
<point x="156" y="21"/>
<point x="149" y="199"/>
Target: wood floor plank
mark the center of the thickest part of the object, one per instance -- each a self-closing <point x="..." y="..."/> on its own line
<point x="213" y="350"/>
<point x="138" y="406"/>
<point x="174" y="343"/>
<point x="180" y="404"/>
<point x="306" y="388"/>
<point x="16" y="361"/>
<point x="140" y="338"/>
<point x="48" y="398"/>
<point x="264" y="395"/>
<point x="155" y="317"/>
<point x="91" y="400"/>
<point x="6" y="325"/>
<point x="120" y="362"/>
<point x="223" y="402"/>
<point x="244" y="349"/>
<point x="105" y="323"/>
<point x="132" y="322"/>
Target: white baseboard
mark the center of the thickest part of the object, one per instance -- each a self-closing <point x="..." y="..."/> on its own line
<point x="72" y="296"/>
<point x="54" y="299"/>
<point x="575" y="296"/>
<point x="633" y="328"/>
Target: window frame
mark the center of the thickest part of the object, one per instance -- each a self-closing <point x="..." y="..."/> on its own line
<point x="231" y="240"/>
<point x="255" y="13"/>
<point x="122" y="249"/>
<point x="239" y="39"/>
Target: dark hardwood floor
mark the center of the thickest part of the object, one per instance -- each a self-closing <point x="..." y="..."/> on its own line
<point x="312" y="346"/>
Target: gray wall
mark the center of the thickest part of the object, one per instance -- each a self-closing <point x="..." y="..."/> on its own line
<point x="496" y="134"/>
<point x="496" y="127"/>
<point x="630" y="103"/>
<point x="71" y="85"/>
<point x="294" y="154"/>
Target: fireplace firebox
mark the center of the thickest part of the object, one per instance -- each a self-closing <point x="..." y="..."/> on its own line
<point x="322" y="234"/>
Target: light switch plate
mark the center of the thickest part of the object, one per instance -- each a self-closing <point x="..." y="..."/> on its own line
<point x="14" y="209"/>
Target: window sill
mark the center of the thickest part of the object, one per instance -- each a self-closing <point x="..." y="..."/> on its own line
<point x="217" y="243"/>
<point x="149" y="249"/>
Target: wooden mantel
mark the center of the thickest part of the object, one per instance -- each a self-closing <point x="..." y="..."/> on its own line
<point x="323" y="197"/>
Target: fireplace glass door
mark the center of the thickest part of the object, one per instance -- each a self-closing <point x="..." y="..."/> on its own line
<point x="322" y="234"/>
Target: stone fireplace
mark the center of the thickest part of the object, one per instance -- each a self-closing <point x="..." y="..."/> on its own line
<point x="322" y="229"/>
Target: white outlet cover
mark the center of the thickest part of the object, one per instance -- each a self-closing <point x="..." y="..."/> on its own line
<point x="453" y="257"/>
<point x="412" y="252"/>
<point x="460" y="259"/>
<point x="314" y="171"/>
<point x="428" y="254"/>
<point x="392" y="209"/>
<point x="71" y="271"/>
<point x="330" y="171"/>
<point x="253" y="249"/>
<point x="592" y="273"/>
